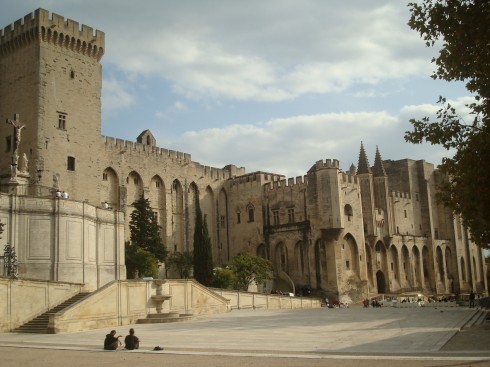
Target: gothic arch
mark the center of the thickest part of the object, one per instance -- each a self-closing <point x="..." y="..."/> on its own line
<point x="416" y="266"/>
<point x="158" y="200"/>
<point x="395" y="263"/>
<point x="250" y="213"/>
<point x="440" y="263"/>
<point x="109" y="188"/>
<point x="208" y="210"/>
<point x="381" y="261"/>
<point x="281" y="261"/>
<point x="222" y="223"/>
<point x="178" y="224"/>
<point x="463" y="269"/>
<point x="321" y="263"/>
<point x="369" y="263"/>
<point x="134" y="185"/>
<point x="475" y="271"/>
<point x="300" y="257"/>
<point x="407" y="266"/>
<point x="449" y="265"/>
<point x="351" y="254"/>
<point x="191" y="210"/>
<point x="426" y="269"/>
<point x="261" y="251"/>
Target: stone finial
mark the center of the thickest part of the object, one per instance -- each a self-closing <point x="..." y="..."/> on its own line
<point x="363" y="165"/>
<point x="378" y="169"/>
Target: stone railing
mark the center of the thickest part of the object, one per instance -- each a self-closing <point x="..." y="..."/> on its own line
<point x="124" y="302"/>
<point x="243" y="300"/>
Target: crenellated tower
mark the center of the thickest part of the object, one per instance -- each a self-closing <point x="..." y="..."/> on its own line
<point x="51" y="76"/>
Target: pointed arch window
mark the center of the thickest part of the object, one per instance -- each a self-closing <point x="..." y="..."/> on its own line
<point x="251" y="213"/>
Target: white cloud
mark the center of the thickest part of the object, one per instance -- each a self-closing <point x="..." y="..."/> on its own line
<point x="268" y="52"/>
<point x="289" y="146"/>
<point x="116" y="95"/>
<point x="180" y="106"/>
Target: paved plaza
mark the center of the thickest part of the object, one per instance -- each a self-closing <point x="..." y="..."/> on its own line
<point x="310" y="334"/>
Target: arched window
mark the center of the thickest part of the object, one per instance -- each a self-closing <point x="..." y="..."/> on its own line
<point x="348" y="212"/>
<point x="251" y="213"/>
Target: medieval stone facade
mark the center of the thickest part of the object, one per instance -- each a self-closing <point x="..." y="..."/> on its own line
<point x="370" y="230"/>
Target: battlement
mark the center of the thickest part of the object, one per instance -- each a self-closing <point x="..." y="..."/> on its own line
<point x="122" y="146"/>
<point x="213" y="172"/>
<point x="401" y="196"/>
<point x="328" y="163"/>
<point x="254" y="179"/>
<point x="56" y="30"/>
<point x="125" y="146"/>
<point x="291" y="184"/>
<point x="347" y="179"/>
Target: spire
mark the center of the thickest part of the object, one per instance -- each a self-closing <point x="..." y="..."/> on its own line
<point x="363" y="165"/>
<point x="379" y="169"/>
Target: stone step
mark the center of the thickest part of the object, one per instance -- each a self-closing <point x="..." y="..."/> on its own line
<point x="40" y="323"/>
<point x="171" y="314"/>
<point x="165" y="318"/>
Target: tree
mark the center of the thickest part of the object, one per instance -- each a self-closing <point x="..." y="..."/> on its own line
<point x="223" y="278"/>
<point x="182" y="262"/>
<point x="462" y="26"/>
<point x="146" y="248"/>
<point x="140" y="262"/>
<point x="203" y="257"/>
<point x="248" y="269"/>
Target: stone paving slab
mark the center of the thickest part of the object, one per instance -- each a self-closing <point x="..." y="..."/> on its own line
<point x="355" y="331"/>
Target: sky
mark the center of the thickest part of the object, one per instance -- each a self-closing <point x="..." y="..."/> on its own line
<point x="270" y="85"/>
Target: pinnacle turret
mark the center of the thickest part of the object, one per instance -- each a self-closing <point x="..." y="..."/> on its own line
<point x="363" y="165"/>
<point x="352" y="170"/>
<point x="378" y="169"/>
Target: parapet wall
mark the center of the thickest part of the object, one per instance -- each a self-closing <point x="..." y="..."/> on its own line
<point x="54" y="29"/>
<point x="401" y="195"/>
<point x="327" y="163"/>
<point x="121" y="145"/>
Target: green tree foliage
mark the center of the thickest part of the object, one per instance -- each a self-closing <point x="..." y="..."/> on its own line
<point x="140" y="262"/>
<point x="223" y="278"/>
<point x="462" y="29"/>
<point x="182" y="262"/>
<point x="146" y="248"/>
<point x="203" y="257"/>
<point x="248" y="269"/>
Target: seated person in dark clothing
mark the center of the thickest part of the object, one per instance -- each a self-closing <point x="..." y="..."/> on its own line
<point x="111" y="342"/>
<point x="131" y="341"/>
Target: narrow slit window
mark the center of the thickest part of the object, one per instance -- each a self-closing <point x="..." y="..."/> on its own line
<point x="71" y="164"/>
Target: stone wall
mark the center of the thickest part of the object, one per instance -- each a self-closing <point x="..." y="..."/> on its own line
<point x="64" y="240"/>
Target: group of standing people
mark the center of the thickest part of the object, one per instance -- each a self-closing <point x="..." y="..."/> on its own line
<point x="112" y="341"/>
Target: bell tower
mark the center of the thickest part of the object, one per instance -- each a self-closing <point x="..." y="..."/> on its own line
<point x="51" y="76"/>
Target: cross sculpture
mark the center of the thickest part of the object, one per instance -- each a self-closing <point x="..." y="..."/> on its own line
<point x="17" y="130"/>
<point x="17" y="134"/>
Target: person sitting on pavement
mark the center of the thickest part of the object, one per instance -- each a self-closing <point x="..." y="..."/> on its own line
<point x="131" y="341"/>
<point x="111" y="342"/>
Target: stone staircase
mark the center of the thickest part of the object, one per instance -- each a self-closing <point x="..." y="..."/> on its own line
<point x="39" y="324"/>
<point x="479" y="317"/>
